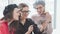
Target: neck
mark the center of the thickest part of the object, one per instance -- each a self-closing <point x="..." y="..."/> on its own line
<point x="23" y="21"/>
<point x="42" y="13"/>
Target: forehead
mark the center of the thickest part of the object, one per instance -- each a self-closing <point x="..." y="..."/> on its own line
<point x="25" y="8"/>
<point x="39" y="6"/>
<point x="16" y="9"/>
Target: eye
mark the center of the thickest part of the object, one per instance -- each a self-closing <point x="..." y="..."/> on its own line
<point x="40" y="7"/>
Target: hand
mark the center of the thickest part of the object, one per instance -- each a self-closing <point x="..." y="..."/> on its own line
<point x="30" y="29"/>
<point x="48" y="19"/>
<point x="45" y="25"/>
<point x="41" y="28"/>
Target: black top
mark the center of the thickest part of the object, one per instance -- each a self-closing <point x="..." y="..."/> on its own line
<point x="22" y="29"/>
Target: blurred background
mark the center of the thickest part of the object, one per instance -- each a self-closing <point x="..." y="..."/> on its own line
<point x="52" y="6"/>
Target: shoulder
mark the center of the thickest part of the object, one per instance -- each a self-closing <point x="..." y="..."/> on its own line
<point x="14" y="23"/>
<point x="30" y="21"/>
<point x="2" y="21"/>
<point x="48" y="14"/>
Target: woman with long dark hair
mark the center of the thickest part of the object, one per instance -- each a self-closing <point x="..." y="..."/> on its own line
<point x="24" y="25"/>
<point x="10" y="14"/>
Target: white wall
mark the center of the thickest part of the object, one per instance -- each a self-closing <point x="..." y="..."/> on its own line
<point x="58" y="17"/>
<point x="57" y="30"/>
<point x="3" y="3"/>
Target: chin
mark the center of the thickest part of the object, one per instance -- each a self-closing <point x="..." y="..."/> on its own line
<point x="16" y="19"/>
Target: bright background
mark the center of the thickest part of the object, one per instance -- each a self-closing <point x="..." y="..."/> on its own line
<point x="52" y="6"/>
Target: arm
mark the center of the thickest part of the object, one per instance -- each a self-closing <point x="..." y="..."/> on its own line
<point x="50" y="29"/>
<point x="3" y="27"/>
<point x="48" y="20"/>
<point x="36" y="30"/>
<point x="27" y="32"/>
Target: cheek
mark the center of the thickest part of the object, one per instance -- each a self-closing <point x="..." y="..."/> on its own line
<point x="15" y="16"/>
<point x="43" y="9"/>
<point x="25" y="15"/>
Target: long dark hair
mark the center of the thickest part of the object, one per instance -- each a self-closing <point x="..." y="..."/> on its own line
<point x="8" y="11"/>
<point x="8" y="14"/>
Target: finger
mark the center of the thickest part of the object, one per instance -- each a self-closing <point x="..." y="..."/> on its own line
<point x="31" y="25"/>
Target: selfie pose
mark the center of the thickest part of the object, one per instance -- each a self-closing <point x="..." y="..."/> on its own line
<point x="42" y="18"/>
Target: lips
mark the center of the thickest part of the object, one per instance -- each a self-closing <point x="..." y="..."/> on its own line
<point x="40" y="12"/>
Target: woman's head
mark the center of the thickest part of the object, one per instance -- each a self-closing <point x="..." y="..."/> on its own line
<point x="40" y="6"/>
<point x="24" y="10"/>
<point x="10" y="12"/>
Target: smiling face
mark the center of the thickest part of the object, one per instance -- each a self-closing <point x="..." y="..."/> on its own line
<point x="16" y="14"/>
<point x="24" y="12"/>
<point x="40" y="9"/>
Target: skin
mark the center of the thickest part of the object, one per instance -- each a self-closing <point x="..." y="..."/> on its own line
<point x="16" y="14"/>
<point x="24" y="14"/>
<point x="41" y="10"/>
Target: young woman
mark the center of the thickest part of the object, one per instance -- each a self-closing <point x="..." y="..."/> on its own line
<point x="11" y="13"/>
<point x="24" y="25"/>
<point x="43" y="18"/>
